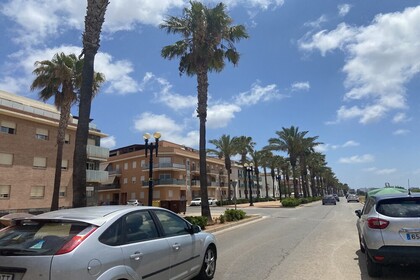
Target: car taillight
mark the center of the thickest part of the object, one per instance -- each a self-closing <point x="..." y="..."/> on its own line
<point x="76" y="241"/>
<point x="377" y="223"/>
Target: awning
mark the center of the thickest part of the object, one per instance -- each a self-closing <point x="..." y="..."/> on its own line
<point x="110" y="181"/>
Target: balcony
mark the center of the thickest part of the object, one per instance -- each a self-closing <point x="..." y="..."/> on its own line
<point x="177" y="182"/>
<point x="96" y="176"/>
<point x="158" y="166"/>
<point x="97" y="153"/>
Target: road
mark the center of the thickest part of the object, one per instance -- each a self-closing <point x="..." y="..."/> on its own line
<point x="308" y="242"/>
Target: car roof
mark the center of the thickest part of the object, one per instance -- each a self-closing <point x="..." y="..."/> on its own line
<point x="96" y="215"/>
<point x="394" y="195"/>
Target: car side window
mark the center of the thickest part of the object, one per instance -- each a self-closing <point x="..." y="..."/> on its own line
<point x="368" y="206"/>
<point x="139" y="226"/>
<point x="112" y="236"/>
<point x="172" y="224"/>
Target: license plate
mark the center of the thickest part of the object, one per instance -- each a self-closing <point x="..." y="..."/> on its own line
<point x="4" y="276"/>
<point x="413" y="236"/>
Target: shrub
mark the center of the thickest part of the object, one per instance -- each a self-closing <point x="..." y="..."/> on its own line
<point x="234" y="215"/>
<point x="197" y="220"/>
<point x="222" y="219"/>
<point x="291" y="202"/>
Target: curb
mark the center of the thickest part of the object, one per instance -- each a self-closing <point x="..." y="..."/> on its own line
<point x="232" y="224"/>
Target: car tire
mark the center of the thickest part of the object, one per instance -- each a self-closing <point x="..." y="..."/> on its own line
<point x="373" y="269"/>
<point x="208" y="267"/>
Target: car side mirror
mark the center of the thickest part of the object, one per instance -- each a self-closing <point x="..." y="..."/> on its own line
<point x="358" y="213"/>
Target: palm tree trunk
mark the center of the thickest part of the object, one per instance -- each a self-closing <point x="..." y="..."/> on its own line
<point x="202" y="81"/>
<point x="95" y="17"/>
<point x="266" y="183"/>
<point x="295" y="181"/>
<point x="64" y="118"/>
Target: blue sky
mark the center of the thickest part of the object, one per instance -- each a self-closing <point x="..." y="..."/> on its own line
<point x="346" y="71"/>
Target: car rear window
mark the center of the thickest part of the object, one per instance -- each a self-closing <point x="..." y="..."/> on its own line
<point x="399" y="207"/>
<point x="31" y="237"/>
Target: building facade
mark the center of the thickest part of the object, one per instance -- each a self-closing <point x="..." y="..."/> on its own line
<point x="28" y="150"/>
<point x="176" y="175"/>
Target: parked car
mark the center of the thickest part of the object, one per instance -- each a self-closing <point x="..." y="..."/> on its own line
<point x="106" y="242"/>
<point x="212" y="201"/>
<point x="329" y="199"/>
<point x="134" y="202"/>
<point x="389" y="231"/>
<point x="195" y="201"/>
<point x="352" y="197"/>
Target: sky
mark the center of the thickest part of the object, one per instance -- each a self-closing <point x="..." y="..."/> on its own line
<point x="345" y="71"/>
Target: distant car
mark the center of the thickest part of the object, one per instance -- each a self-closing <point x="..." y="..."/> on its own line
<point x="388" y="229"/>
<point x="106" y="242"/>
<point x="212" y="201"/>
<point x="352" y="197"/>
<point x="134" y="202"/>
<point x="336" y="197"/>
<point x="329" y="199"/>
<point x="196" y="202"/>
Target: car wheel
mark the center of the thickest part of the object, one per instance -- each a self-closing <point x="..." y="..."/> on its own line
<point x="373" y="269"/>
<point x="209" y="265"/>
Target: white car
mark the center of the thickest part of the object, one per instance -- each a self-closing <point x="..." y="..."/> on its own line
<point x="212" y="201"/>
<point x="196" y="202"/>
<point x="134" y="202"/>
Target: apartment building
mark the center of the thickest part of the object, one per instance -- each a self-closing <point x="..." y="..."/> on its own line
<point x="176" y="174"/>
<point x="28" y="133"/>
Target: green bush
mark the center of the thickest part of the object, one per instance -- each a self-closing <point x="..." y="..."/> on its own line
<point x="234" y="215"/>
<point x="197" y="220"/>
<point x="222" y="219"/>
<point x="291" y="202"/>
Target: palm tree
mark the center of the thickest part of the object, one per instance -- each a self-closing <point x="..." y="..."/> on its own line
<point x="256" y="159"/>
<point x="207" y="39"/>
<point x="55" y="78"/>
<point x="244" y="144"/>
<point x="60" y="78"/>
<point x="289" y="140"/>
<point x="306" y="149"/>
<point x="225" y="148"/>
<point x="95" y="17"/>
<point x="274" y="163"/>
<point x="266" y="156"/>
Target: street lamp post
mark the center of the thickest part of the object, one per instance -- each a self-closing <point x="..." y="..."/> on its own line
<point x="150" y="147"/>
<point x="249" y="170"/>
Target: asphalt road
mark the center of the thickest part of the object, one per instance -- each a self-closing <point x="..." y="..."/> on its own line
<point x="309" y="242"/>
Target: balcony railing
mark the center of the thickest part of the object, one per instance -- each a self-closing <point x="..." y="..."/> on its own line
<point x="164" y="165"/>
<point x="165" y="182"/>
<point x="108" y="187"/>
<point x="96" y="176"/>
<point x="97" y="153"/>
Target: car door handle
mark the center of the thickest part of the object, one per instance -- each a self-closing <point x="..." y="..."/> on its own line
<point x="137" y="256"/>
<point x="176" y="247"/>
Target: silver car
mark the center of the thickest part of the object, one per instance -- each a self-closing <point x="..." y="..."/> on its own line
<point x="106" y="243"/>
<point x="389" y="231"/>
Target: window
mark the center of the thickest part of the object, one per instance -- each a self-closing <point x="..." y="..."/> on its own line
<point x="40" y="162"/>
<point x="41" y="133"/>
<point x="67" y="138"/>
<point x="133" y="179"/>
<point x="8" y="127"/>
<point x="125" y="165"/>
<point x="6" y="159"/>
<point x="172" y="224"/>
<point x="125" y="181"/>
<point x="62" y="192"/>
<point x="134" y="164"/>
<point x="64" y="164"/>
<point x="91" y="142"/>
<point x="139" y="226"/>
<point x="37" y="191"/>
<point x="4" y="191"/>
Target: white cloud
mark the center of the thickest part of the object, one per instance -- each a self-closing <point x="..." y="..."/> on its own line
<point x="400" y="118"/>
<point x="326" y="147"/>
<point x="258" y="94"/>
<point x="316" y="24"/>
<point x="351" y="143"/>
<point x="300" y="86"/>
<point x="170" y="129"/>
<point x="343" y="9"/>
<point x="401" y="132"/>
<point x="219" y="115"/>
<point x="108" y="142"/>
<point x="384" y="171"/>
<point x="381" y="58"/>
<point x="357" y="159"/>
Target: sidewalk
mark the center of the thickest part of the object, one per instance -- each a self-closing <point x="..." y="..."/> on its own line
<point x="265" y="204"/>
